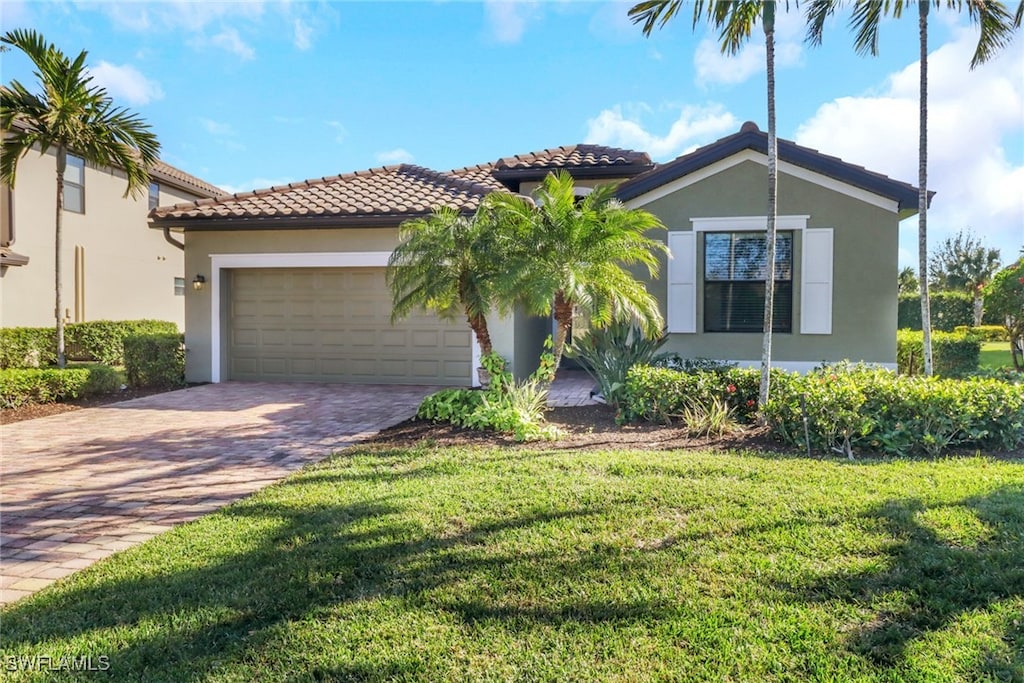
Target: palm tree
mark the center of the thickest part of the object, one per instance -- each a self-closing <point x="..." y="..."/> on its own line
<point x="997" y="26"/>
<point x="735" y="21"/>
<point x="572" y="252"/>
<point x="70" y="116"/>
<point x="448" y="263"/>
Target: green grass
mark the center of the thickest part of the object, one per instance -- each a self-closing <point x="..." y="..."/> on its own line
<point x="462" y="564"/>
<point x="995" y="355"/>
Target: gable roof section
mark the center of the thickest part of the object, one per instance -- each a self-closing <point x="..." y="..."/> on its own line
<point x="379" y="196"/>
<point x="751" y="138"/>
<point x="164" y="172"/>
<point x="581" y="161"/>
<point x="481" y="174"/>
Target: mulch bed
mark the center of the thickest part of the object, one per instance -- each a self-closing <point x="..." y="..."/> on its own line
<point x="30" y="412"/>
<point x="590" y="427"/>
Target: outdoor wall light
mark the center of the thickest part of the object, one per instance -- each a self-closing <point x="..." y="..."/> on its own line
<point x="198" y="282"/>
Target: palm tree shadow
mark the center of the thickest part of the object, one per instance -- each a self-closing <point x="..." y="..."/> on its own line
<point x="931" y="580"/>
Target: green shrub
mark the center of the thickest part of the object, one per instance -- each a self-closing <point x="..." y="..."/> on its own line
<point x="27" y="347"/>
<point x="100" y="340"/>
<point x="954" y="355"/>
<point x="986" y="333"/>
<point x="715" y="419"/>
<point x="875" y="410"/>
<point x="504" y="406"/>
<point x="24" y="386"/>
<point x="155" y="360"/>
<point x="948" y="309"/>
<point x="660" y="394"/>
<point x="608" y="353"/>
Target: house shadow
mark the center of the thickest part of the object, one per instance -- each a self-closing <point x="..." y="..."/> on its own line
<point x="301" y="563"/>
<point x="934" y="577"/>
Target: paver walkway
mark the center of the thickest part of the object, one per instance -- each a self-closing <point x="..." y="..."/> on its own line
<point x="80" y="486"/>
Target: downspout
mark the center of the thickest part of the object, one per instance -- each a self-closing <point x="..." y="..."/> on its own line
<point x="167" y="236"/>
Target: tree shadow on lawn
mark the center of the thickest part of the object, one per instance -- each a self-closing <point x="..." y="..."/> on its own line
<point x="935" y="578"/>
<point x="306" y="563"/>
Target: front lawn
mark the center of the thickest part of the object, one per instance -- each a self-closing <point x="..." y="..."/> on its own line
<point x="995" y="355"/>
<point x="471" y="564"/>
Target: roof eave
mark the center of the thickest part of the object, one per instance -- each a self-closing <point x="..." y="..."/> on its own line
<point x="323" y="222"/>
<point x="586" y="172"/>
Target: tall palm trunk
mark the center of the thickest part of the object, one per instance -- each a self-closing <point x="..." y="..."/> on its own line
<point x="768" y="16"/>
<point x="478" y="324"/>
<point x="62" y="161"/>
<point x="922" y="190"/>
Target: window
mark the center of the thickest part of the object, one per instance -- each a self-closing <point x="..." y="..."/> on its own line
<point x="734" y="281"/>
<point x="179" y="286"/>
<point x="154" y="195"/>
<point x="74" y="185"/>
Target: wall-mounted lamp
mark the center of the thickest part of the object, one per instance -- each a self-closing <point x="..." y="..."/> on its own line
<point x="198" y="282"/>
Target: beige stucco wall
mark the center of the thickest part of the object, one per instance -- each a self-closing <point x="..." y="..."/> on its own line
<point x="865" y="256"/>
<point x="129" y="267"/>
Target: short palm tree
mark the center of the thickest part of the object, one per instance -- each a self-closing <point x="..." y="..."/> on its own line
<point x="997" y="25"/>
<point x="69" y="115"/>
<point x="735" y="21"/>
<point x="569" y="252"/>
<point x="447" y="262"/>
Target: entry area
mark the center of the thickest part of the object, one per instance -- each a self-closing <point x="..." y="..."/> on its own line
<point x="334" y="325"/>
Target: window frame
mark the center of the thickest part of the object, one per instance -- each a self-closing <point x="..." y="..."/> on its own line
<point x="730" y="284"/>
<point x="179" y="286"/>
<point x="71" y="184"/>
<point x="153" y="199"/>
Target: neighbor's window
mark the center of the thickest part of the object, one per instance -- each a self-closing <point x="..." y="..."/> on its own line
<point x="734" y="282"/>
<point x="74" y="185"/>
<point x="179" y="286"/>
<point x="154" y="195"/>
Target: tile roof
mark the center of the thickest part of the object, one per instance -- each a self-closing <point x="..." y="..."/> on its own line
<point x="186" y="181"/>
<point x="575" y="156"/>
<point x="752" y="138"/>
<point x="482" y="174"/>
<point x="390" y="192"/>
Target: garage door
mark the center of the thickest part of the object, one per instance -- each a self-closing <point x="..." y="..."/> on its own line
<point x="333" y="325"/>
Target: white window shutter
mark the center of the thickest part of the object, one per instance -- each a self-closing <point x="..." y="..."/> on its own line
<point x="816" y="284"/>
<point x="682" y="282"/>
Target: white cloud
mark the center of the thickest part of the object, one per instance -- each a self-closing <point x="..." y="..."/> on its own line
<point x="507" y="19"/>
<point x="398" y="155"/>
<point x="189" y="15"/>
<point x="125" y="83"/>
<point x="303" y="35"/>
<point x="254" y="184"/>
<point x="714" y="67"/>
<point x="971" y="115"/>
<point x="229" y="40"/>
<point x="694" y="126"/>
<point x="340" y="132"/>
<point x="216" y="127"/>
<point x="611" y="22"/>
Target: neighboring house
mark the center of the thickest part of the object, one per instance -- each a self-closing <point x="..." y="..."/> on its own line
<point x="115" y="267"/>
<point x="294" y="289"/>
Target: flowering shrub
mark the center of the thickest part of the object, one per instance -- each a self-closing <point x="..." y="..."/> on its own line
<point x="658" y="394"/>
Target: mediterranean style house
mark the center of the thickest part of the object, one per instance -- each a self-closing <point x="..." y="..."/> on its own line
<point x="115" y="267"/>
<point x="293" y="287"/>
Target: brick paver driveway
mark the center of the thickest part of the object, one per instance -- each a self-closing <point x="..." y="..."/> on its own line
<point x="79" y="486"/>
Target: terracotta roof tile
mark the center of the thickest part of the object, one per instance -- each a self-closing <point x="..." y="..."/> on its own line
<point x="397" y="191"/>
<point x="164" y="171"/>
<point x="575" y="156"/>
<point x="482" y="174"/>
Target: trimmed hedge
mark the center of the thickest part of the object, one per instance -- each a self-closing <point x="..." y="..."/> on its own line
<point x="949" y="310"/>
<point x="860" y="408"/>
<point x="954" y="355"/>
<point x="99" y="340"/>
<point x="661" y="394"/>
<point x="155" y="360"/>
<point x="850" y="407"/>
<point x="22" y="386"/>
<point x="986" y="333"/>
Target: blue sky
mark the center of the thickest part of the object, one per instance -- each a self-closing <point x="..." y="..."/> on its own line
<point x="250" y="94"/>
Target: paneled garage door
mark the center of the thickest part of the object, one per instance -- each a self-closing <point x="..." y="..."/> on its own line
<point x="333" y="325"/>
